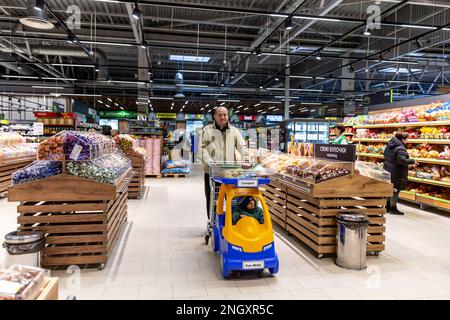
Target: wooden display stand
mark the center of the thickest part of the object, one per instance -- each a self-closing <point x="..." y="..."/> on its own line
<point x="311" y="209"/>
<point x="50" y="290"/>
<point x="80" y="218"/>
<point x="9" y="166"/>
<point x="136" y="186"/>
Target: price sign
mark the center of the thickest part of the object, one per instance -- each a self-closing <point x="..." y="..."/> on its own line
<point x="38" y="128"/>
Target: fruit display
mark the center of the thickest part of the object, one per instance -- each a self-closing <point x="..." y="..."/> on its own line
<point x="37" y="170"/>
<point x="437" y="111"/>
<point x="13" y="145"/>
<point x="106" y="169"/>
<point x="371" y="148"/>
<point x="20" y="282"/>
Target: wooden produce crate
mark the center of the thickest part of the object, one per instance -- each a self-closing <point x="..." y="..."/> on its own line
<point x="80" y="218"/>
<point x="9" y="166"/>
<point x="312" y="209"/>
<point x="136" y="186"/>
<point x="275" y="196"/>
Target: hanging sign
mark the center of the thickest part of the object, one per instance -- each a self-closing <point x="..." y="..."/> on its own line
<point x="337" y="152"/>
<point x="247" y="118"/>
<point x="38" y="128"/>
<point x="118" y="114"/>
<point x="194" y="116"/>
<point x="166" y="115"/>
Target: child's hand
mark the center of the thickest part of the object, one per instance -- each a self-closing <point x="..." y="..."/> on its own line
<point x="243" y="215"/>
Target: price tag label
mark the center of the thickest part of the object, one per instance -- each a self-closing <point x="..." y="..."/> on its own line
<point x="75" y="152"/>
<point x="38" y="128"/>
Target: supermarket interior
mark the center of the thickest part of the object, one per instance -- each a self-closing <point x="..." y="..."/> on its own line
<point x="225" y="150"/>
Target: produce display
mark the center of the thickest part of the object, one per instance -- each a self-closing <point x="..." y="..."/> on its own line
<point x="106" y="169"/>
<point x="37" y="170"/>
<point x="437" y="133"/>
<point x="307" y="169"/>
<point x="75" y="145"/>
<point x="20" y="282"/>
<point x="437" y="111"/>
<point x="431" y="153"/>
<point x="14" y="145"/>
<point x="129" y="146"/>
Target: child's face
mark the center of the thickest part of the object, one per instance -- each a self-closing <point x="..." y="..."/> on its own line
<point x="251" y="205"/>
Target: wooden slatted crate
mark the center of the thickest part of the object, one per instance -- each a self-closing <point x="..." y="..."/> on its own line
<point x="9" y="166"/>
<point x="136" y="186"/>
<point x="312" y="219"/>
<point x="81" y="218"/>
<point x="275" y="196"/>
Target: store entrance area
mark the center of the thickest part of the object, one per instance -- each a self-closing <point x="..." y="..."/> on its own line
<point x="161" y="254"/>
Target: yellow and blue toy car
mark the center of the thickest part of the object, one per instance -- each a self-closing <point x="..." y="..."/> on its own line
<point x="246" y="245"/>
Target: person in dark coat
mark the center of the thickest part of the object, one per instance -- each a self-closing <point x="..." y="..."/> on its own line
<point x="396" y="161"/>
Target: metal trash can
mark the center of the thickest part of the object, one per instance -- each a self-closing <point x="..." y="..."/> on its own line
<point x="24" y="248"/>
<point x="351" y="240"/>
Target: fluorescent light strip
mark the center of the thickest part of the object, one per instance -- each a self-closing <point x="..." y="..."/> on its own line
<point x="403" y="62"/>
<point x="271" y="102"/>
<point x="224" y="100"/>
<point x="312" y="103"/>
<point x="246" y="108"/>
<point x="19" y="77"/>
<point x="258" y="104"/>
<point x="192" y="85"/>
<point x="199" y="71"/>
<point x="213" y="94"/>
<point x="44" y="87"/>
<point x="418" y="27"/>
<point x="109" y="99"/>
<point x="75" y="94"/>
<point x="243" y="52"/>
<point x="72" y="65"/>
<point x="240" y="106"/>
<point x="405" y="81"/>
<point x="222" y="103"/>
<point x="301" y="77"/>
<point x="128" y="82"/>
<point x="111" y="43"/>
<point x="317" y="18"/>
<point x="274" y="54"/>
<point x="100" y="101"/>
<point x="332" y="109"/>
<point x="160" y="98"/>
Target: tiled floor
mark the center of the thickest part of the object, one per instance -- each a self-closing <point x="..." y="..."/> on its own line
<point x="161" y="255"/>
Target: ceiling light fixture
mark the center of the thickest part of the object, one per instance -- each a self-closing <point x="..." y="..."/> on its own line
<point x="318" y="57"/>
<point x="143" y="45"/>
<point x="288" y="24"/>
<point x="97" y="67"/>
<point x="137" y="13"/>
<point x="258" y="51"/>
<point x="39" y="5"/>
<point x="366" y="31"/>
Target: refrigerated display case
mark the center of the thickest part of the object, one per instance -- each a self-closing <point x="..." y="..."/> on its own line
<point x="308" y="130"/>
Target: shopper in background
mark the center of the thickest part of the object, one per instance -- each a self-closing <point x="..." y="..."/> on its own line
<point x="114" y="133"/>
<point x="396" y="161"/>
<point x="339" y="130"/>
<point x="248" y="207"/>
<point x="219" y="142"/>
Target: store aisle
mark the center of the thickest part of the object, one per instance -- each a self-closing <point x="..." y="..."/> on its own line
<point x="161" y="255"/>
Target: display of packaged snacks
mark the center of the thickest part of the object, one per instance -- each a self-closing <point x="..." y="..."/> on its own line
<point x="37" y="170"/>
<point x="75" y="145"/>
<point x="13" y="145"/>
<point x="106" y="169"/>
<point x="129" y="146"/>
<point x="20" y="282"/>
<point x="372" y="170"/>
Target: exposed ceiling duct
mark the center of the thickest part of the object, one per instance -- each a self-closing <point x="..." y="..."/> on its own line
<point x="179" y="85"/>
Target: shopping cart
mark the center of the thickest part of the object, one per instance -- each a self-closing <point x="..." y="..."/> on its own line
<point x="246" y="244"/>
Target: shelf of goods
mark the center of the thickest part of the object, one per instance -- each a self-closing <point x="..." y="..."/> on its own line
<point x="307" y="208"/>
<point x="15" y="154"/>
<point x="80" y="206"/>
<point x="130" y="147"/>
<point x="428" y="145"/>
<point x="20" y="282"/>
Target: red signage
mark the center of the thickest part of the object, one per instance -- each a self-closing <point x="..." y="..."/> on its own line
<point x="55" y="115"/>
<point x="247" y="118"/>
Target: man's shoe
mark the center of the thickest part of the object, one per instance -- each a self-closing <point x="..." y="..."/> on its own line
<point x="395" y="211"/>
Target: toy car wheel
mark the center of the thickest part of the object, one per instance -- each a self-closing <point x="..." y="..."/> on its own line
<point x="261" y="273"/>
<point x="274" y="270"/>
<point x="206" y="239"/>
<point x="214" y="241"/>
<point x="223" y="268"/>
<point x="237" y="273"/>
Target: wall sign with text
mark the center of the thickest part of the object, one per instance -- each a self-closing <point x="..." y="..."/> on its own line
<point x="336" y="152"/>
